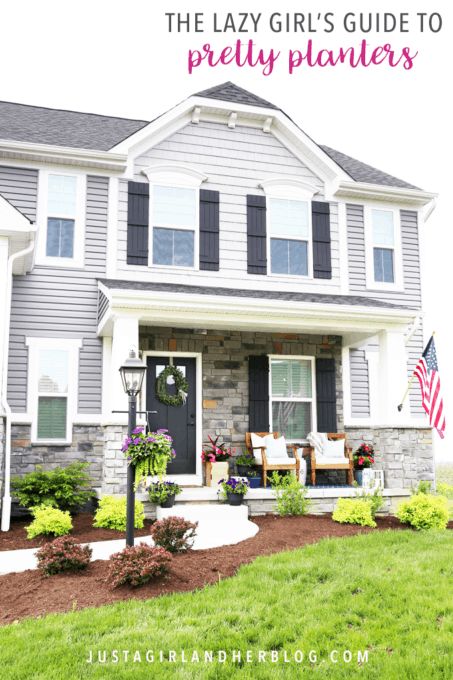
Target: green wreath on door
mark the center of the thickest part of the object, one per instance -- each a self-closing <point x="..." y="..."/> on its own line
<point x="181" y="384"/>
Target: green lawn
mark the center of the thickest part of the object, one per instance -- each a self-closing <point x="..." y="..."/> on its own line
<point x="386" y="592"/>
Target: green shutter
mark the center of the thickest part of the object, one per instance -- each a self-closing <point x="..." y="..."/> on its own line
<point x="52" y="417"/>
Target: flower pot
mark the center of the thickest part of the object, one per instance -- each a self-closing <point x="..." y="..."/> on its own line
<point x="234" y="498"/>
<point x="255" y="482"/>
<point x="242" y="470"/>
<point x="215" y="472"/>
<point x="358" y="474"/>
<point x="169" y="502"/>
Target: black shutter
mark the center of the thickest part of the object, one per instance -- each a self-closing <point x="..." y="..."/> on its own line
<point x="209" y="230"/>
<point x="259" y="393"/>
<point x="326" y="400"/>
<point x="322" y="265"/>
<point x="137" y="223"/>
<point x="256" y="235"/>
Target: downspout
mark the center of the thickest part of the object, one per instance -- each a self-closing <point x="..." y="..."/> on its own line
<point x="6" y="500"/>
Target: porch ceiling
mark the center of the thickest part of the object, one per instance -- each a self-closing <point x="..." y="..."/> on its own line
<point x="230" y="309"/>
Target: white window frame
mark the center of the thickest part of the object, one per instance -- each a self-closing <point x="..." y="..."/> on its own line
<point x="174" y="177"/>
<point x="72" y="346"/>
<point x="77" y="260"/>
<point x="398" y="283"/>
<point x="289" y="190"/>
<point x="311" y="399"/>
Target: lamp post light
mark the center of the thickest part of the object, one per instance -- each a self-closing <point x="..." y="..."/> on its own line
<point x="132" y="373"/>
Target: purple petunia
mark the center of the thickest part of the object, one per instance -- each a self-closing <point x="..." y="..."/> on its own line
<point x="137" y="430"/>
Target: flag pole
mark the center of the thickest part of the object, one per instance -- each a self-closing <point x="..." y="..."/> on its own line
<point x="409" y="384"/>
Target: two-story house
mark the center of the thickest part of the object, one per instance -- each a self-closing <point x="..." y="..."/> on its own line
<point x="281" y="276"/>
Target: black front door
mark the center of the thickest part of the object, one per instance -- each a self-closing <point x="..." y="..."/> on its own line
<point x="180" y="421"/>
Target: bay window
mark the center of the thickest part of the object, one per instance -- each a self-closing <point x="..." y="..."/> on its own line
<point x="292" y="396"/>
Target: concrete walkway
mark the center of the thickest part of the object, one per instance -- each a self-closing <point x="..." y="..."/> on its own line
<point x="217" y="526"/>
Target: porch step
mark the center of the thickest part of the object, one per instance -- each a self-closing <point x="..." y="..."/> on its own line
<point x="217" y="524"/>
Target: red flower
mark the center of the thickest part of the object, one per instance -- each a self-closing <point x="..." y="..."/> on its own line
<point x="361" y="460"/>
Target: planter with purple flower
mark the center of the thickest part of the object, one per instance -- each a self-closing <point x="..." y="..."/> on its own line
<point x="148" y="452"/>
<point x="163" y="493"/>
<point x="234" y="489"/>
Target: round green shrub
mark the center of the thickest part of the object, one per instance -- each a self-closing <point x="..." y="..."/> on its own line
<point x="111" y="514"/>
<point x="424" y="511"/>
<point x="49" y="521"/>
<point x="354" y="511"/>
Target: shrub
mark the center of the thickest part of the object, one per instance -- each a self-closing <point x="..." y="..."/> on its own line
<point x="290" y="494"/>
<point x="111" y="514"/>
<point x="159" y="492"/>
<point x="375" y="499"/>
<point x="49" y="521"/>
<point x="424" y="511"/>
<point x="63" y="488"/>
<point x="424" y="487"/>
<point x="63" y="554"/>
<point x="137" y="565"/>
<point x="175" y="534"/>
<point x="354" y="511"/>
<point x="445" y="489"/>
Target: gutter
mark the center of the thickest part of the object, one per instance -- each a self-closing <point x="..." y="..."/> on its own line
<point x="6" y="500"/>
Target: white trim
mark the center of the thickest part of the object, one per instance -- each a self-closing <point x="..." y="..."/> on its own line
<point x="377" y="192"/>
<point x="197" y="478"/>
<point x="112" y="227"/>
<point x="346" y="380"/>
<point x="79" y="217"/>
<point x="169" y="173"/>
<point x="17" y="152"/>
<point x="72" y="346"/>
<point x="371" y="284"/>
<point x="285" y="187"/>
<point x="310" y="400"/>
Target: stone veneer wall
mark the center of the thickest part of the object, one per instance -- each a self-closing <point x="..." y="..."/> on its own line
<point x="87" y="445"/>
<point x="114" y="471"/>
<point x="225" y="369"/>
<point x="405" y="454"/>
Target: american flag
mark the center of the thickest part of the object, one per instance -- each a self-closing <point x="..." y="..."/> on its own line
<point x="427" y="373"/>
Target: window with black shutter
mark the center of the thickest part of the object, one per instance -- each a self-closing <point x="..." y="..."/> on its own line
<point x="326" y="401"/>
<point x="322" y="264"/>
<point x="256" y="235"/>
<point x="137" y="223"/>
<point x="259" y="393"/>
<point x="209" y="230"/>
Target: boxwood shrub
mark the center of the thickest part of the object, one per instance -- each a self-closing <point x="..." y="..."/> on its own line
<point x="111" y="514"/>
<point x="354" y="511"/>
<point x="64" y="488"/>
<point x="49" y="522"/>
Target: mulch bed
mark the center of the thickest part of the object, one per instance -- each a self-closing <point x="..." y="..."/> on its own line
<point x="31" y="594"/>
<point x="83" y="531"/>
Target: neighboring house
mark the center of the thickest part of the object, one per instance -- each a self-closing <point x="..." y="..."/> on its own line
<point x="283" y="277"/>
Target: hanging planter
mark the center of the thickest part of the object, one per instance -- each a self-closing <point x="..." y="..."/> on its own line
<point x="149" y="453"/>
<point x="181" y="384"/>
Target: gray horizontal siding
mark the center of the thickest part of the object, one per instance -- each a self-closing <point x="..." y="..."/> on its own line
<point x="235" y="161"/>
<point x="54" y="302"/>
<point x="411" y="295"/>
<point x="360" y="390"/>
<point x="20" y="187"/>
<point x="414" y="350"/>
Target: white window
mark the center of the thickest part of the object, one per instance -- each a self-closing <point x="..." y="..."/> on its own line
<point x="292" y="396"/>
<point x="384" y="265"/>
<point x="61" y="218"/>
<point x="174" y="225"/>
<point x="52" y="389"/>
<point x="289" y="231"/>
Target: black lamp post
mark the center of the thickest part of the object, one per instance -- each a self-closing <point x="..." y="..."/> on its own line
<point x="132" y="374"/>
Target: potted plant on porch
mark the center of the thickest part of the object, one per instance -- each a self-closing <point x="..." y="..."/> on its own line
<point x="244" y="463"/>
<point x="148" y="452"/>
<point x="253" y="478"/>
<point x="363" y="458"/>
<point x="215" y="455"/>
<point x="234" y="489"/>
<point x="163" y="493"/>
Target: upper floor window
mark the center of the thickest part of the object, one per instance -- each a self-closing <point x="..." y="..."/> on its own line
<point x="174" y="220"/>
<point x="384" y="264"/>
<point x="61" y="217"/>
<point x="292" y="396"/>
<point x="289" y="230"/>
<point x="383" y="246"/>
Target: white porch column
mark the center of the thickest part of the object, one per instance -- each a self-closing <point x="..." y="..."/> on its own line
<point x="392" y="377"/>
<point x="125" y="338"/>
<point x="4" y="302"/>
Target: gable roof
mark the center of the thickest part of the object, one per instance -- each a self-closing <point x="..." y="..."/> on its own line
<point x="229" y="92"/>
<point x="74" y="129"/>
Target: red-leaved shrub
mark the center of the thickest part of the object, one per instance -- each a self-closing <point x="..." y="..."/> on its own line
<point x="137" y="565"/>
<point x="63" y="554"/>
<point x="175" y="534"/>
